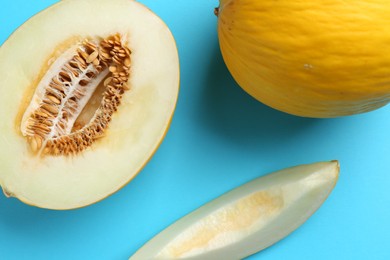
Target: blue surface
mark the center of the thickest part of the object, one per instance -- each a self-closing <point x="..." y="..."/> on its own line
<point x="220" y="138"/>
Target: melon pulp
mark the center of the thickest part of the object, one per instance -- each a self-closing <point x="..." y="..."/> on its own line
<point x="247" y="219"/>
<point x="32" y="57"/>
<point x="309" y="57"/>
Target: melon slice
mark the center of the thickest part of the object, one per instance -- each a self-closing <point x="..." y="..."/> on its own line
<point x="87" y="93"/>
<point x="247" y="219"/>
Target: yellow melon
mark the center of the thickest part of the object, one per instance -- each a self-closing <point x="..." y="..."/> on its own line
<point x="247" y="219"/>
<point x="87" y="92"/>
<point x="309" y="57"/>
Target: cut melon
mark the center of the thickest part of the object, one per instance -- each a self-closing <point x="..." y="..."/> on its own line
<point x="247" y="219"/>
<point x="87" y="93"/>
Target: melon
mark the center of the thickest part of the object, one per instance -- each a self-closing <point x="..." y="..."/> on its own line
<point x="87" y="92"/>
<point x="247" y="219"/>
<point x="309" y="58"/>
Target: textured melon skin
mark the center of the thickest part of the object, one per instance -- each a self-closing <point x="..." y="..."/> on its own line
<point x="307" y="57"/>
<point x="136" y="129"/>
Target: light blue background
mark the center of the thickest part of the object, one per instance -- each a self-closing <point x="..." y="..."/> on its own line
<point x="220" y="138"/>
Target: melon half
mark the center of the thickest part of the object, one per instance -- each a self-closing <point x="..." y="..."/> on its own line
<point x="87" y="92"/>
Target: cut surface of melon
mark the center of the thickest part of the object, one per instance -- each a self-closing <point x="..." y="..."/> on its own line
<point x="34" y="54"/>
<point x="248" y="218"/>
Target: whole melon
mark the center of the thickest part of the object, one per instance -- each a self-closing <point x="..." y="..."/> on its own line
<point x="312" y="58"/>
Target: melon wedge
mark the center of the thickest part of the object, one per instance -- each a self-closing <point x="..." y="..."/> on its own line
<point x="246" y="219"/>
<point x="74" y="130"/>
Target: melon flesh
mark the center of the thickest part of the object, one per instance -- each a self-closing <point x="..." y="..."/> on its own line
<point x="136" y="129"/>
<point x="247" y="219"/>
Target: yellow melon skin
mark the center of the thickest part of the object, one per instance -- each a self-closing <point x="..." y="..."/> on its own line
<point x="310" y="58"/>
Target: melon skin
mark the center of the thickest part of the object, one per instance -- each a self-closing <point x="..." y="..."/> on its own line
<point x="137" y="128"/>
<point x="307" y="57"/>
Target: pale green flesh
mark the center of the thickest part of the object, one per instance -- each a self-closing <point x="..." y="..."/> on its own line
<point x="246" y="219"/>
<point x="136" y="129"/>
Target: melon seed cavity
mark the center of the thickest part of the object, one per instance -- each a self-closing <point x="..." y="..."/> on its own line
<point x="49" y="121"/>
